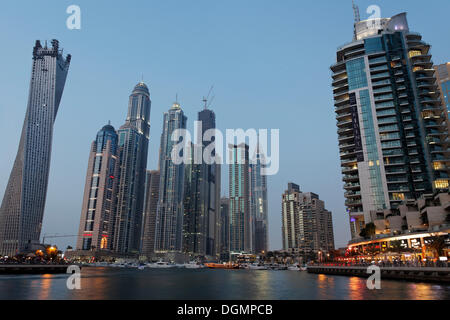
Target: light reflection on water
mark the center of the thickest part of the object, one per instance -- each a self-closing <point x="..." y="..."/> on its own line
<point x="104" y="283"/>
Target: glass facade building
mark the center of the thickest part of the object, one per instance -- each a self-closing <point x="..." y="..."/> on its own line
<point x="169" y="218"/>
<point x="202" y="198"/>
<point x="151" y="204"/>
<point x="22" y="208"/>
<point x="391" y="124"/>
<point x="239" y="191"/>
<point x="443" y="80"/>
<point x="258" y="204"/>
<point x="133" y="151"/>
<point x="224" y="226"/>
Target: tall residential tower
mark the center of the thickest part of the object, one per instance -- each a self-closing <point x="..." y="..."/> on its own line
<point x="307" y="227"/>
<point x="239" y="205"/>
<point x="390" y="119"/>
<point x="22" y="208"/>
<point x="202" y="197"/>
<point x="169" y="217"/>
<point x="258" y="203"/>
<point x="151" y="204"/>
<point x="96" y="228"/>
<point x="133" y="151"/>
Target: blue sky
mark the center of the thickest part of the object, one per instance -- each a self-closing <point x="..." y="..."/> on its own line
<point x="268" y="61"/>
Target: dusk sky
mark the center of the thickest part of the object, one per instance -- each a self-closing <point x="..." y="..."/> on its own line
<point x="268" y="61"/>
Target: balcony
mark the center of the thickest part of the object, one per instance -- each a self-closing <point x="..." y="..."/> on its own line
<point x="340" y="116"/>
<point x="352" y="186"/>
<point x="346" y="155"/>
<point x="353" y="194"/>
<point x="344" y="123"/>
<point x="342" y="108"/>
<point x="342" y="101"/>
<point x="379" y="76"/>
<point x="350" y="178"/>
<point x="345" y="146"/>
<point x="381" y="83"/>
<point x="379" y="69"/>
<point x="353" y="203"/>
<point x="393" y="171"/>
<point x="352" y="161"/>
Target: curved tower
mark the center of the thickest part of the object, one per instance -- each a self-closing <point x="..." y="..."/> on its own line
<point x="22" y="209"/>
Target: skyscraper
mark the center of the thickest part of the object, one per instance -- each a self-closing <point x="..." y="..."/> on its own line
<point x="239" y="216"/>
<point x="151" y="204"/>
<point x="443" y="81"/>
<point x="258" y="204"/>
<point x="22" y="208"/>
<point x="169" y="221"/>
<point x="224" y="227"/>
<point x="202" y="197"/>
<point x="133" y="151"/>
<point x="307" y="227"/>
<point x="389" y="117"/>
<point x="194" y="237"/>
<point x="96" y="229"/>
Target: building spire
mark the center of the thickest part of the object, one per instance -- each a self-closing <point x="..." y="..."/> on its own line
<point x="356" y="12"/>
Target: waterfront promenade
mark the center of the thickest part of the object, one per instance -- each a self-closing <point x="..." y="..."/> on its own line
<point x="32" y="268"/>
<point x="439" y="274"/>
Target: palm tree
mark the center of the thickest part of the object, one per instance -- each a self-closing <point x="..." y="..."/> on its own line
<point x="438" y="245"/>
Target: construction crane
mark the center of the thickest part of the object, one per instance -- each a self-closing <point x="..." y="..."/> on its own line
<point x="206" y="99"/>
<point x="51" y="236"/>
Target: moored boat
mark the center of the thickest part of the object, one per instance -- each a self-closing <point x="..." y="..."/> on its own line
<point x="255" y="266"/>
<point x="294" y="268"/>
<point x="222" y="265"/>
<point x="193" y="265"/>
<point x="160" y="265"/>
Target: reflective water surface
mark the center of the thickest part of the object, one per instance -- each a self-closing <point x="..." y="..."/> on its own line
<point x="115" y="283"/>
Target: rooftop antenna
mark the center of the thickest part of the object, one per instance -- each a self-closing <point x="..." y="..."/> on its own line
<point x="356" y="12"/>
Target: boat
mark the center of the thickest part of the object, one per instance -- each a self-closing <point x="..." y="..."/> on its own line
<point x="294" y="268"/>
<point x="193" y="265"/>
<point x="160" y="265"/>
<point x="141" y="267"/>
<point x="304" y="268"/>
<point x="277" y="267"/>
<point x="222" y="265"/>
<point x="255" y="266"/>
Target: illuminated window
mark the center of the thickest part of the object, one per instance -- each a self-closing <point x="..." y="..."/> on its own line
<point x="103" y="243"/>
<point x="398" y="196"/>
<point x="438" y="165"/>
<point x="441" y="184"/>
<point x="414" y="53"/>
<point x="418" y="69"/>
<point x="427" y="114"/>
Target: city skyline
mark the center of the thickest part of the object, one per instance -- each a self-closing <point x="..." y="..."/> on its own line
<point x="274" y="189"/>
